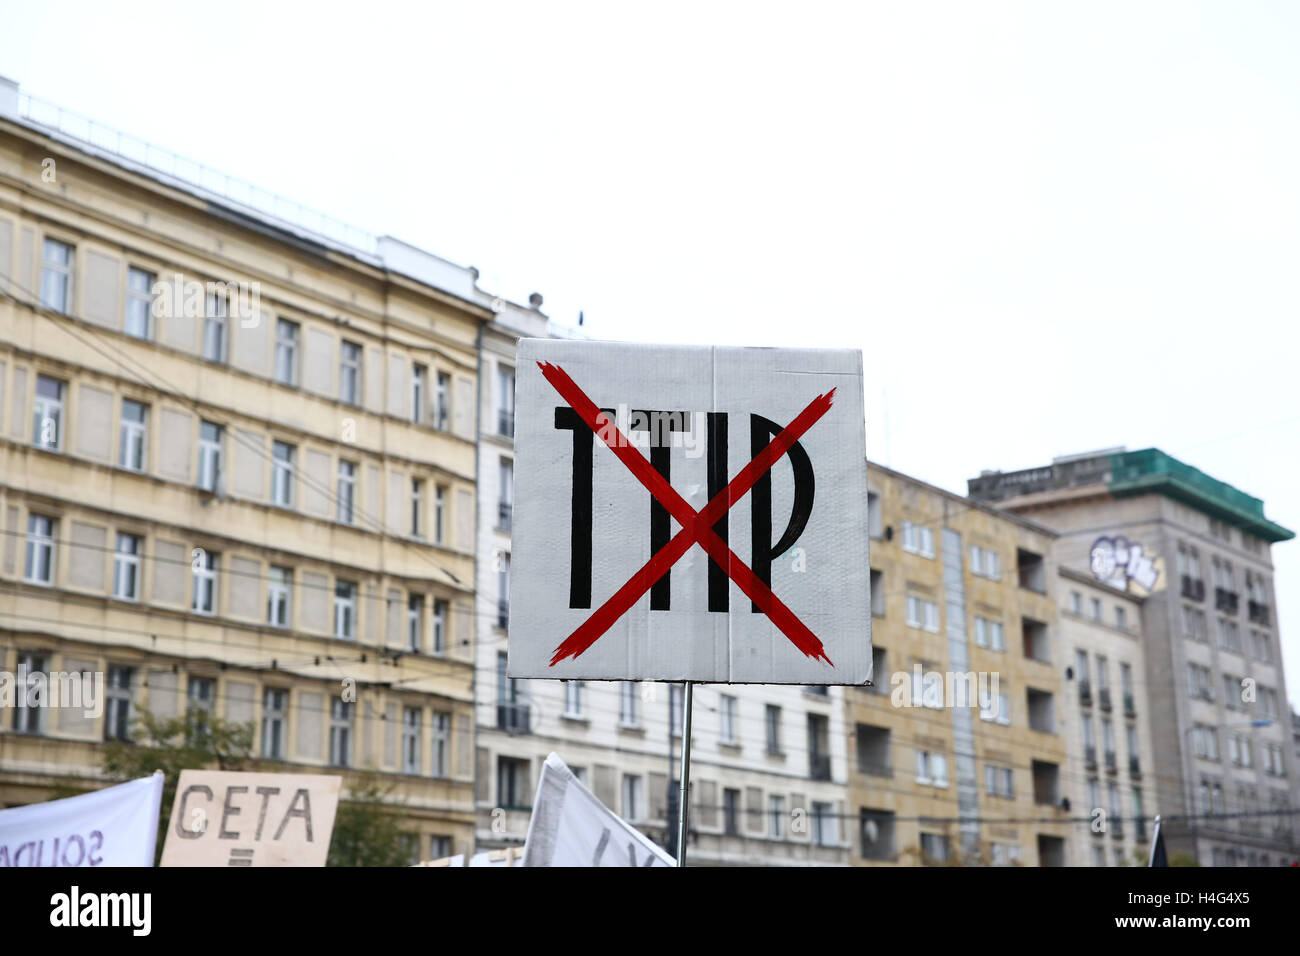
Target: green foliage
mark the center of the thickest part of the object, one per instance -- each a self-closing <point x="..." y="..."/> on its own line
<point x="195" y="741"/>
<point x="367" y="828"/>
<point x="1183" y="859"/>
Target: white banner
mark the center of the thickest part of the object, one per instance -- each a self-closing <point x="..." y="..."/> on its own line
<point x="116" y="826"/>
<point x="570" y="827"/>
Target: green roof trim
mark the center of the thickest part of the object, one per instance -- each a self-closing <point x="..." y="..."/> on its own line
<point x="1151" y="471"/>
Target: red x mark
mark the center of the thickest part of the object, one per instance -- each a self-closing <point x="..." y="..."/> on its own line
<point x="697" y="526"/>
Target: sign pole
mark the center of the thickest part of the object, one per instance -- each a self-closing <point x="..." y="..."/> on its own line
<point x="685" y="783"/>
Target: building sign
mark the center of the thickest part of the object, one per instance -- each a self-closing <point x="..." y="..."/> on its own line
<point x="1123" y="564"/>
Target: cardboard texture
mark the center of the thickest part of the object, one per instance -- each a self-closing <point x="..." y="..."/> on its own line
<point x="807" y="514"/>
<point x="225" y="818"/>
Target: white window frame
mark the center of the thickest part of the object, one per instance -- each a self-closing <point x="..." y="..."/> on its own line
<point x="347" y="492"/>
<point x="287" y="336"/>
<point x="628" y="699"/>
<point x="126" y="566"/>
<point x="439" y="627"/>
<point x="442" y="400"/>
<point x="41" y="533"/>
<point x="350" y="372"/>
<point x="439" y="513"/>
<point x="345" y="610"/>
<point x="279" y="593"/>
<point x="415" y="622"/>
<point x="419" y="388"/>
<point x="282" y="473"/>
<point x="573" y="698"/>
<point x="139" y="301"/>
<point x="341" y="725"/>
<point x="205" y="582"/>
<point x="57" y="276"/>
<point x="727" y="719"/>
<point x="417" y="507"/>
<point x="441" y="752"/>
<point x="275" y="722"/>
<point x="216" y="328"/>
<point x="133" y="438"/>
<point x="210" y="457"/>
<point x="49" y="408"/>
<point x="412" y="731"/>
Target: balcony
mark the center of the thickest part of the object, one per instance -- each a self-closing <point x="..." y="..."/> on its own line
<point x="506" y="424"/>
<point x="1257" y="612"/>
<point x="505" y="510"/>
<point x="1031" y="571"/>
<point x="819" y="766"/>
<point x="1085" y="693"/>
<point x="1130" y="708"/>
<point x="1112" y="764"/>
<point x="1193" y="588"/>
<point x="1225" y="600"/>
<point x="876" y="770"/>
<point x="1103" y="698"/>
<point x="1134" y="767"/>
<point x="514" y="718"/>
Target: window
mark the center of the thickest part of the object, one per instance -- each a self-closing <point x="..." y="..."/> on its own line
<point x="877" y="584"/>
<point x="441" y="743"/>
<point x="275" y="717"/>
<point x="1076" y="602"/>
<point x="417" y="507"/>
<point x="731" y="811"/>
<point x="727" y="719"/>
<point x="205" y="566"/>
<point x="56" y="276"/>
<point x="990" y="634"/>
<point x="200" y="695"/>
<point x="1261" y="646"/>
<point x="572" y="698"/>
<point x="139" y="303"/>
<point x="350" y="373"/>
<point x="1095" y="604"/>
<point x="874" y="522"/>
<point x="1120" y="619"/>
<point x="40" y="550"/>
<point x="934" y="847"/>
<point x="215" y="343"/>
<point x="512" y="783"/>
<point x="1229" y="636"/>
<point x="995" y="708"/>
<point x="117" y="708"/>
<point x="278" y="588"/>
<point x="340" y="733"/>
<point x="931" y="769"/>
<point x="776" y="817"/>
<point x="506" y="492"/>
<point x="411" y="740"/>
<point x="414" y="621"/>
<point x="1198" y="682"/>
<point x="918" y="539"/>
<point x="131" y="443"/>
<point x="286" y="352"/>
<point x="126" y="567"/>
<point x="347" y="490"/>
<point x="345" y="610"/>
<point x="442" y="401"/>
<point x="47" y="413"/>
<point x="506" y="402"/>
<point x="1205" y="742"/>
<point x="772" y="725"/>
<point x="999" y="781"/>
<point x="632" y="806"/>
<point x="439" y="626"/>
<point x="419" y="377"/>
<point x="1194" y="623"/>
<point x="823" y="819"/>
<point x="922" y="614"/>
<point x="1267" y="706"/>
<point x="512" y="707"/>
<point x="439" y="513"/>
<point x="282" y="474"/>
<point x="210" y="475"/>
<point x="30" y="718"/>
<point x="627" y="704"/>
<point x="503" y="590"/>
<point x="985" y="563"/>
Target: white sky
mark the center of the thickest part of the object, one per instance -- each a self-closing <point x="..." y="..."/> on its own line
<point x="1049" y="227"/>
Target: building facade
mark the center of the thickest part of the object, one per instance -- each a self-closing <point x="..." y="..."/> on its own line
<point x="1107" y="727"/>
<point x="1222" y="763"/>
<point x="959" y="749"/>
<point x="237" y="480"/>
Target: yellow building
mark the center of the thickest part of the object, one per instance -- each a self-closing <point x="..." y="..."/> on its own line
<point x="957" y="753"/>
<point x="237" y="473"/>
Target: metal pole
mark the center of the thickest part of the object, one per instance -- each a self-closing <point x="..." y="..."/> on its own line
<point x="685" y="783"/>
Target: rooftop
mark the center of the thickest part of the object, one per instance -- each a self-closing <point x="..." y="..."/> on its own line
<point x="1128" y="473"/>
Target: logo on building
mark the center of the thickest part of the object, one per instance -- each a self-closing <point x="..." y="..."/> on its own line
<point x="1124" y="565"/>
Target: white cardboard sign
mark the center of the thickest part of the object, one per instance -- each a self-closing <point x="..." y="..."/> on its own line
<point x="571" y="827"/>
<point x="228" y="818"/>
<point x="689" y="513"/>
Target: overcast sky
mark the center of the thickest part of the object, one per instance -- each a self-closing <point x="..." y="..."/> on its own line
<point x="1049" y="227"/>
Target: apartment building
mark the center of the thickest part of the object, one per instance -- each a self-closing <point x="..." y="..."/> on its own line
<point x="237" y="475"/>
<point x="1107" y="727"/>
<point x="959" y="749"/>
<point x="767" y="762"/>
<point x="1216" y="692"/>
